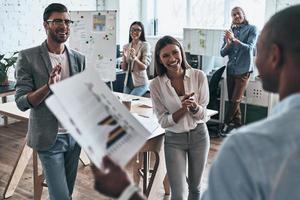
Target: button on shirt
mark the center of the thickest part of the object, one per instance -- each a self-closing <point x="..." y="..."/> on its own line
<point x="165" y="100"/>
<point x="240" y="56"/>
<point x="255" y="162"/>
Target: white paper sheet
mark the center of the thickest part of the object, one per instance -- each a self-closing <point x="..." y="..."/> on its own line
<point x="151" y="124"/>
<point x="96" y="119"/>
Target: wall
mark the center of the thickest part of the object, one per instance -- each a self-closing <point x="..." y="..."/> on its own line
<point x="273" y="6"/>
<point x="21" y="21"/>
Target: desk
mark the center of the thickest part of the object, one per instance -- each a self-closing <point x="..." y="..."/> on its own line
<point x="6" y="90"/>
<point x="118" y="84"/>
<point x="154" y="144"/>
<point x="10" y="109"/>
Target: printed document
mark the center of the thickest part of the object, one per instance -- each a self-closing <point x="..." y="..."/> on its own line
<point x="96" y="119"/>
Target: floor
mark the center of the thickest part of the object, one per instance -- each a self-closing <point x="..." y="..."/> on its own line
<point x="11" y="139"/>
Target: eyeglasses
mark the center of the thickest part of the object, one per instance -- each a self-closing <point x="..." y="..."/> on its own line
<point x="60" y="22"/>
<point x="135" y="30"/>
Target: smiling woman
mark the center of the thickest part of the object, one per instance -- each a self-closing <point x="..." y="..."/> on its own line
<point x="179" y="97"/>
<point x="135" y="61"/>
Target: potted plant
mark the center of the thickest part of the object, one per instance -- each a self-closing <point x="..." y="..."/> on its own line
<point x="5" y="63"/>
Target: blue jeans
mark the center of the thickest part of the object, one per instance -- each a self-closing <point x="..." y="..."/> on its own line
<point x="138" y="91"/>
<point x="182" y="150"/>
<point x="60" y="164"/>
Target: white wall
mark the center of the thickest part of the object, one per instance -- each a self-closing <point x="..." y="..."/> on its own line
<point x="21" y="21"/>
<point x="273" y="6"/>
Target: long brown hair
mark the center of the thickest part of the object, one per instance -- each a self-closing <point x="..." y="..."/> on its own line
<point x="160" y="69"/>
<point x="142" y="36"/>
<point x="245" y="18"/>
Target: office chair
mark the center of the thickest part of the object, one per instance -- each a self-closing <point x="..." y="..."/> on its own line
<point x="214" y="93"/>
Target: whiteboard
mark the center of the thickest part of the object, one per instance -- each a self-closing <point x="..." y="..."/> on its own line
<point x="206" y="42"/>
<point x="21" y="24"/>
<point x="94" y="35"/>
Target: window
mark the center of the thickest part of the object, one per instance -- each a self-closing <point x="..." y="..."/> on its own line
<point x="208" y="14"/>
<point x="128" y="14"/>
<point x="254" y="10"/>
<point x="171" y="16"/>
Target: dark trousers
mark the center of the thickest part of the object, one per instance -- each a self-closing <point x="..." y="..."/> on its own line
<point x="236" y="86"/>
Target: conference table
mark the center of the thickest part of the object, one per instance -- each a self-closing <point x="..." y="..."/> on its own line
<point x="152" y="175"/>
<point x="7" y="90"/>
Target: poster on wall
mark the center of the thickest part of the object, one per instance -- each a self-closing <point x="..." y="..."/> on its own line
<point x="205" y="42"/>
<point x="94" y="35"/>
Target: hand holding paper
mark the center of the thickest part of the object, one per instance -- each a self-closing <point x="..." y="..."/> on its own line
<point x="96" y="119"/>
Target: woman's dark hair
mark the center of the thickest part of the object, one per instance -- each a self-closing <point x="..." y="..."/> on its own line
<point x="54" y="7"/>
<point x="245" y="18"/>
<point x="160" y="69"/>
<point x="142" y="37"/>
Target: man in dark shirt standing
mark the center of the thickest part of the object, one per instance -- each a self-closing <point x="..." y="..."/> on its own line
<point x="238" y="45"/>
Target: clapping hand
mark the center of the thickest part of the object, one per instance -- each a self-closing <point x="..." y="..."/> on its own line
<point x="55" y="75"/>
<point x="132" y="54"/>
<point x="229" y="36"/>
<point x="189" y="102"/>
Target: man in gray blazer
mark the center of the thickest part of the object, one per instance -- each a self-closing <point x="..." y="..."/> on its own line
<point x="36" y="69"/>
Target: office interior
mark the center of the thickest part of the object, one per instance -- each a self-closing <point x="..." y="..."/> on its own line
<point x="21" y="27"/>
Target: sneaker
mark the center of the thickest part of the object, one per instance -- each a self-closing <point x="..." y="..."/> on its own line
<point x="227" y="128"/>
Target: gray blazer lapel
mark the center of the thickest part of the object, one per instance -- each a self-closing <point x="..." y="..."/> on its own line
<point x="72" y="62"/>
<point x="45" y="57"/>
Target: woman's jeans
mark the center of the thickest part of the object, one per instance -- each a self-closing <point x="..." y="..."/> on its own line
<point x="138" y="91"/>
<point x="60" y="167"/>
<point x="188" y="149"/>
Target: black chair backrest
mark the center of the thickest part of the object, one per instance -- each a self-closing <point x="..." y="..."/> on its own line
<point x="214" y="85"/>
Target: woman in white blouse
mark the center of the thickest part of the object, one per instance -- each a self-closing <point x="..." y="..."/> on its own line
<point x="136" y="59"/>
<point x="180" y="95"/>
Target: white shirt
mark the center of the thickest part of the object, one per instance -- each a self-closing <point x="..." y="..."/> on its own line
<point x="65" y="73"/>
<point x="63" y="60"/>
<point x="165" y="100"/>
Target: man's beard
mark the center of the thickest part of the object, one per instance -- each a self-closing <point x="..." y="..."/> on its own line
<point x="54" y="36"/>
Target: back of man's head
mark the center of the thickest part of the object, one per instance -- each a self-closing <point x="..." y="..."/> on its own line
<point x="284" y="29"/>
<point x="54" y="7"/>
